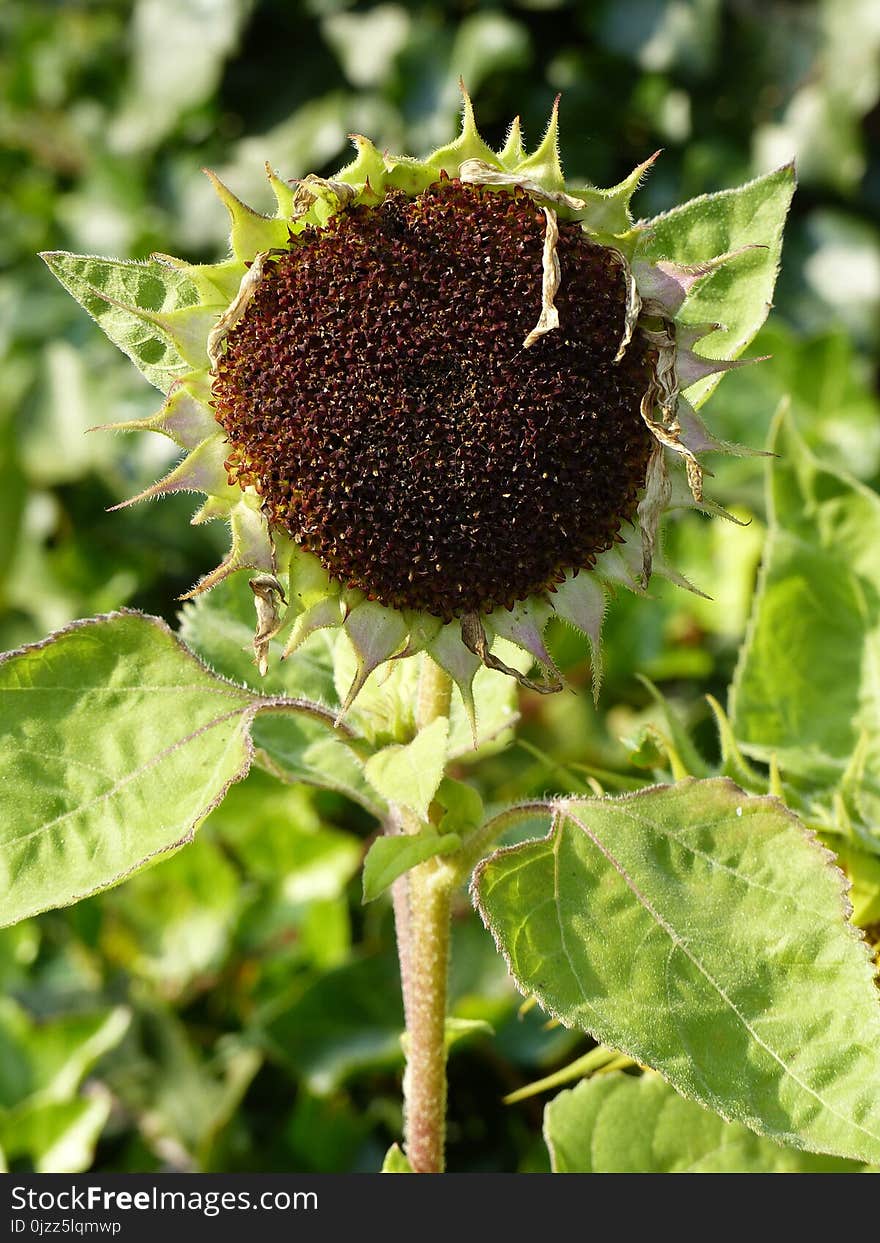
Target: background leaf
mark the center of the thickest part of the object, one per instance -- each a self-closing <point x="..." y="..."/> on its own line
<point x="45" y="1117"/>
<point x="300" y="748"/>
<point x="807" y="688"/>
<point x="57" y="1137"/>
<point x="703" y="933"/>
<point x="350" y="1019"/>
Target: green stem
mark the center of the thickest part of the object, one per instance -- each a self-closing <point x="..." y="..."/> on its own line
<point x="422" y="901"/>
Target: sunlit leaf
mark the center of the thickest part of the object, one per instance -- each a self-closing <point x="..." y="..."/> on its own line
<point x="118" y="744"/>
<point x="703" y="933"/>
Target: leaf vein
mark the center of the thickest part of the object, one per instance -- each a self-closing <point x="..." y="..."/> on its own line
<point x="728" y="1001"/>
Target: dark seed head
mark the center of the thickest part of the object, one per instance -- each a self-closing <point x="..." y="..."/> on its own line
<point x="377" y="395"/>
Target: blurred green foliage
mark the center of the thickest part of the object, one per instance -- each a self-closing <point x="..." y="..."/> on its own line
<point x="237" y="1007"/>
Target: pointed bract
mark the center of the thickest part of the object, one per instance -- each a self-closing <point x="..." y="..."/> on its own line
<point x="251" y="233"/>
<point x="581" y="602"/>
<point x="544" y="165"/>
<point x="461" y="664"/>
<point x="376" y="634"/>
<point x="203" y="470"/>
<point x="469" y="145"/>
<point x="367" y="166"/>
<point x="513" y="152"/>
<point x="524" y="626"/>
<point x="607" y="211"/>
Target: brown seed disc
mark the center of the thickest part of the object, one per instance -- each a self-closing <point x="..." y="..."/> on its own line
<point x="377" y="395"/>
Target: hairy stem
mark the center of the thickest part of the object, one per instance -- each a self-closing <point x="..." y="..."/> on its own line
<point x="422" y="899"/>
<point x="424" y="1084"/>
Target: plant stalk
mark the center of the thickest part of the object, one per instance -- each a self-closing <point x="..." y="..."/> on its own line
<point x="424" y="1082"/>
<point x="422" y="902"/>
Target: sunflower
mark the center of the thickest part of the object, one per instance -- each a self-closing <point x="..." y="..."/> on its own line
<point x="438" y="402"/>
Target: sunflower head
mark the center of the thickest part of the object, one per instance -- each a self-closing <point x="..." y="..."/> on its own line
<point x="437" y="401"/>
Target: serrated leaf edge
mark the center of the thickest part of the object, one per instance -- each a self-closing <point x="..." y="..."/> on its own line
<point x="555" y="809"/>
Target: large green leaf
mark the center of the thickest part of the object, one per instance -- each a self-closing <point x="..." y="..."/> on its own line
<point x="807" y="688"/>
<point x="624" y="1124"/>
<point x="117" y="744"/>
<point x="738" y="294"/>
<point x="141" y="307"/>
<point x="703" y="933"/>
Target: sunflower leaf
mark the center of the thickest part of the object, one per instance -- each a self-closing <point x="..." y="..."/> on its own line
<point x="623" y="1124"/>
<point x="703" y="933"/>
<point x="118" y="743"/>
<point x="294" y="748"/>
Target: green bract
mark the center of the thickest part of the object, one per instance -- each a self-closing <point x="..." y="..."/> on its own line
<point x="596" y="382"/>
